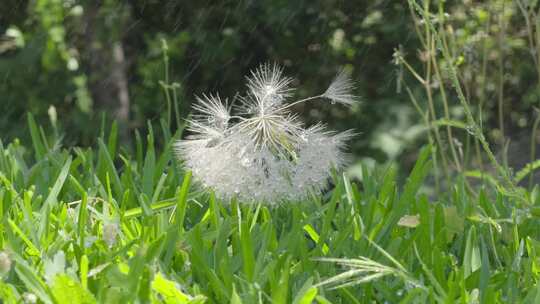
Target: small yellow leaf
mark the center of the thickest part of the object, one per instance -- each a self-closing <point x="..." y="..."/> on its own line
<point x="410" y="221"/>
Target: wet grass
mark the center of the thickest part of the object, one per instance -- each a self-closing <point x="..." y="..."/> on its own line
<point x="101" y="225"/>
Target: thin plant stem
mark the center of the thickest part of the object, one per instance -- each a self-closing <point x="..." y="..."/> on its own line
<point x="166" y="85"/>
<point x="166" y="88"/>
<point x="425" y="118"/>
<point x="533" y="147"/>
<point x="442" y="89"/>
<point x="429" y="121"/>
<point x="534" y="48"/>
<point x="426" y="40"/>
<point x="413" y="72"/>
<point x="301" y="101"/>
<point x="536" y="29"/>
<point x="473" y="127"/>
<point x="416" y="27"/>
<point x="429" y="93"/>
<point x="530" y="33"/>
<point x="500" y="92"/>
<point x="482" y="97"/>
<point x="446" y="113"/>
<point x="175" y="102"/>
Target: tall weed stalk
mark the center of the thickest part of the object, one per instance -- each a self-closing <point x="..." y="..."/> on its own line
<point x="438" y="54"/>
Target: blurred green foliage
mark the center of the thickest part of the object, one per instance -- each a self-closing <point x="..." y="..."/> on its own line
<point x="72" y="60"/>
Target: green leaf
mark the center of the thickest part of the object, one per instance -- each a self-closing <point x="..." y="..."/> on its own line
<point x="307" y="293"/>
<point x="39" y="148"/>
<point x="248" y="257"/>
<point x="67" y="290"/>
<point x="472" y="260"/>
<point x="84" y="271"/>
<point x="32" y="249"/>
<point x="58" y="184"/>
<point x="315" y="237"/>
<point x="107" y="168"/>
<point x="31" y="279"/>
<point x="8" y="293"/>
<point x="280" y="289"/>
<point x="235" y="298"/>
<point x="170" y="293"/>
<point x="526" y="170"/>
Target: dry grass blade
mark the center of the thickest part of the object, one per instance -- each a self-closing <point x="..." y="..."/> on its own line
<point x="363" y="270"/>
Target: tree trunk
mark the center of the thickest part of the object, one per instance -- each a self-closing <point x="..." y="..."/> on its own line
<point x="107" y="67"/>
<point x="119" y="77"/>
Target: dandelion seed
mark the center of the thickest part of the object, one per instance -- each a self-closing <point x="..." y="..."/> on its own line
<point x="213" y="112"/>
<point x="266" y="155"/>
<point x="55" y="266"/>
<point x="5" y="263"/>
<point x="340" y="90"/>
<point x="29" y="298"/>
<point x="89" y="241"/>
<point x="268" y="84"/>
<point x="110" y="232"/>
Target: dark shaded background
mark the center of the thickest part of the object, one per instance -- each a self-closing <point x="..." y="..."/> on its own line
<point x="92" y="60"/>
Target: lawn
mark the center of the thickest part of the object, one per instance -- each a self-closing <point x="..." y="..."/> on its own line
<point x="103" y="225"/>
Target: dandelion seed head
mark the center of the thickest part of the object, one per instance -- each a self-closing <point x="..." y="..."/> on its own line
<point x="266" y="154"/>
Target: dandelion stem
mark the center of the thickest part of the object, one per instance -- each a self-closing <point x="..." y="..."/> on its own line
<point x="301" y="101"/>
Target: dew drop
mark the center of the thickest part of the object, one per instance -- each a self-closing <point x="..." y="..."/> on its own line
<point x="246" y="162"/>
<point x="471" y="130"/>
<point x="242" y="152"/>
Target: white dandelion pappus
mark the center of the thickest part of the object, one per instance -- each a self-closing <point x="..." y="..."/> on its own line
<point x="269" y="84"/>
<point x="212" y="111"/>
<point x="340" y="90"/>
<point x="263" y="153"/>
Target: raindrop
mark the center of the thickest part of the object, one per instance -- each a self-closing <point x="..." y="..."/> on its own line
<point x="213" y="142"/>
<point x="242" y="152"/>
<point x="471" y="130"/>
<point x="269" y="90"/>
<point x="246" y="162"/>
